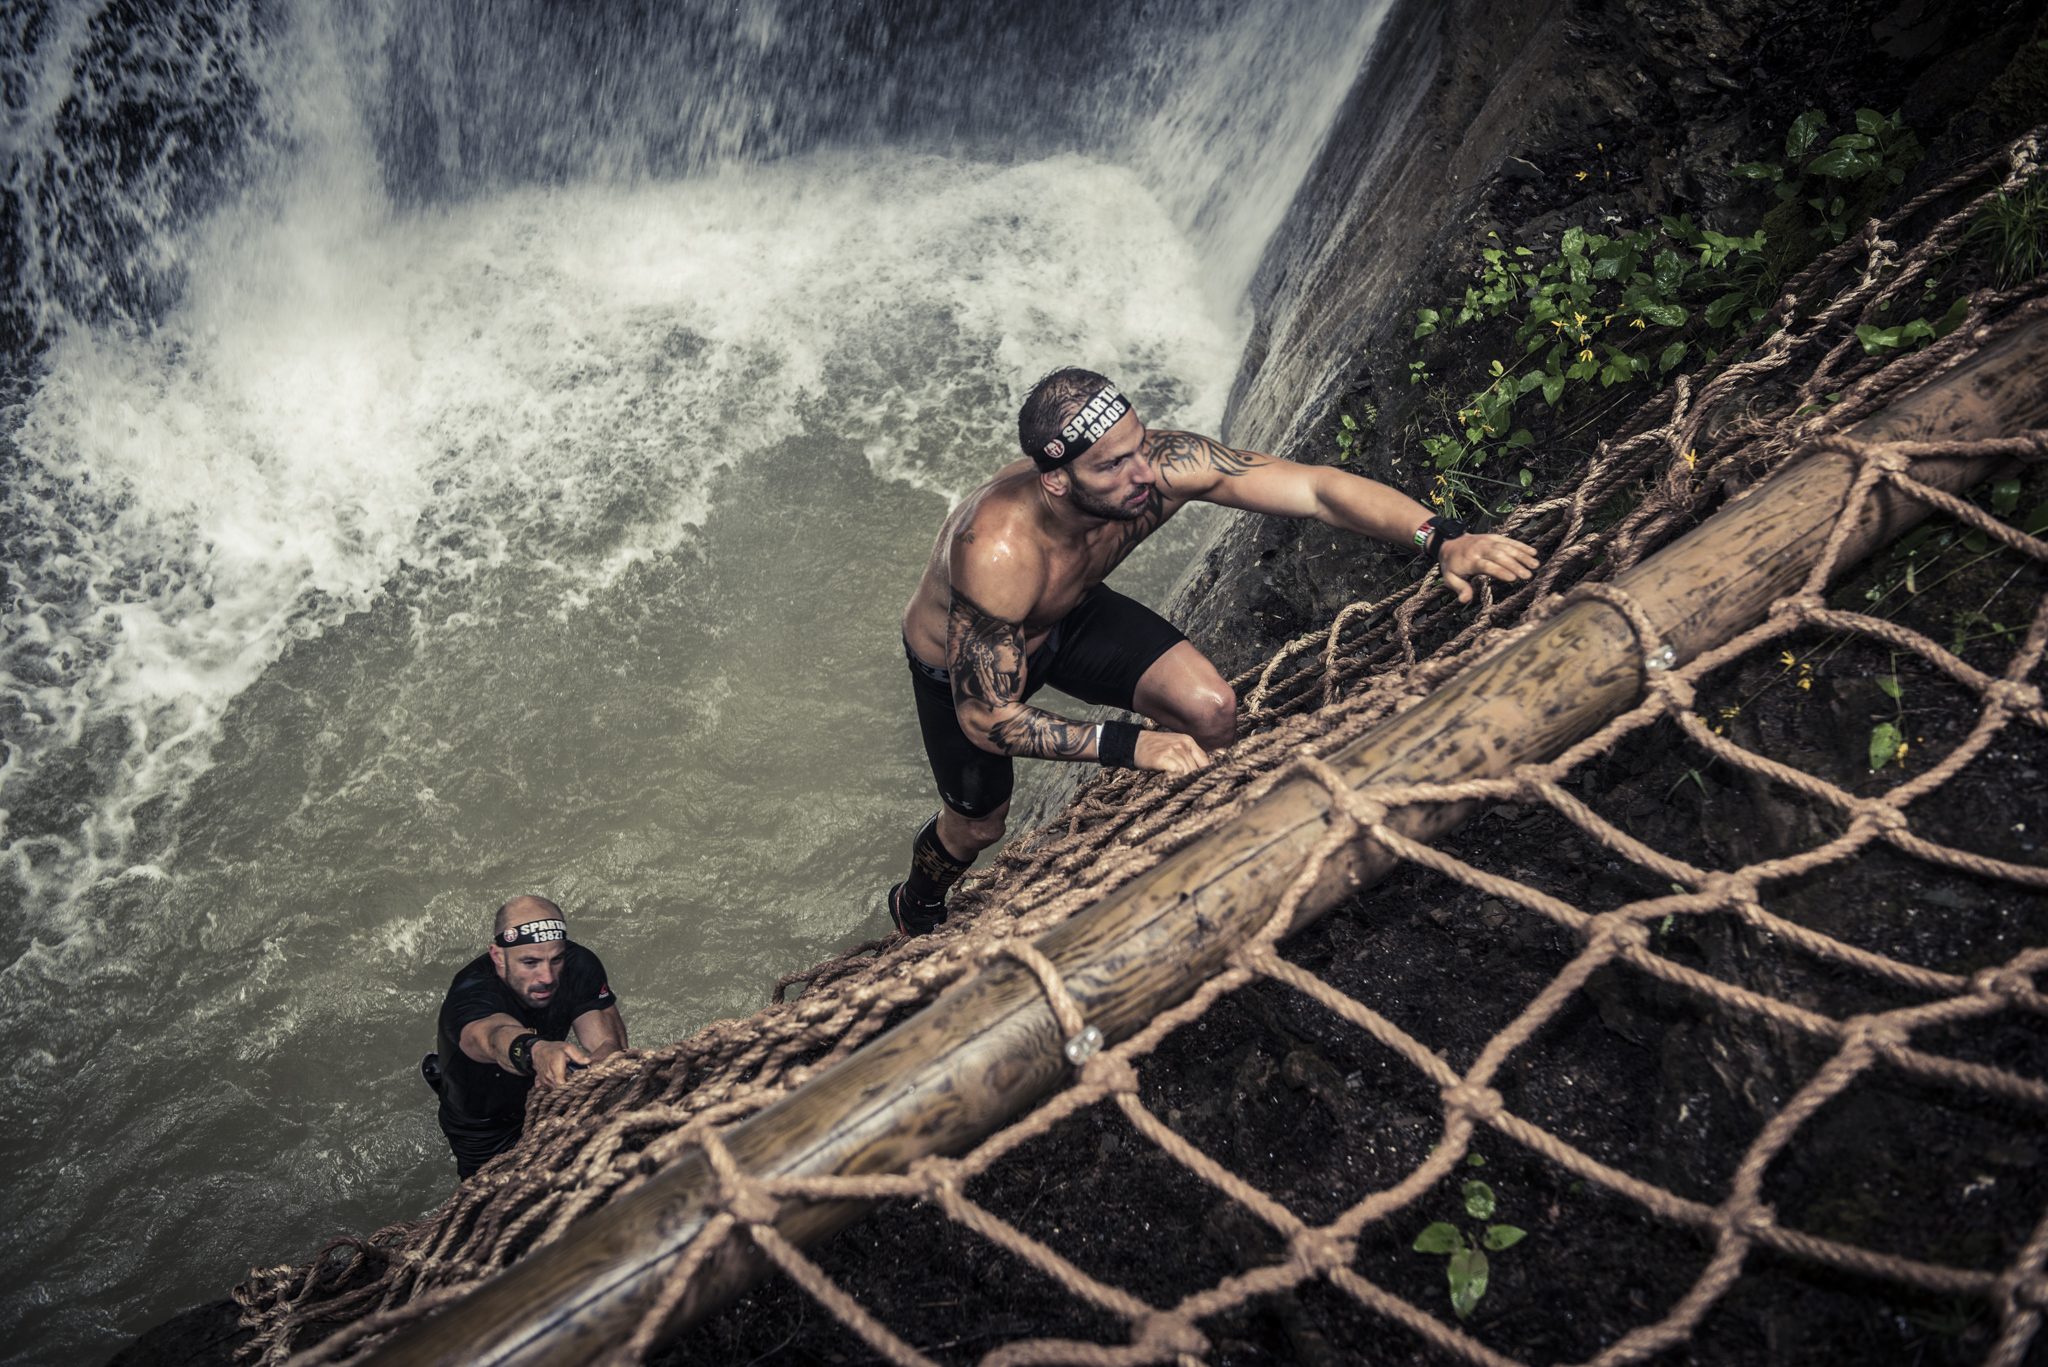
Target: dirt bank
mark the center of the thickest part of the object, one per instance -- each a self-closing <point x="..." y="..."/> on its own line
<point x="1523" y="122"/>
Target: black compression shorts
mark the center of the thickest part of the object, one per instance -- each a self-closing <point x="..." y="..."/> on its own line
<point x="1096" y="653"/>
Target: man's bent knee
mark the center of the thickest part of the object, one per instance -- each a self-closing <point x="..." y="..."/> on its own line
<point x="967" y="836"/>
<point x="1183" y="692"/>
<point x="1213" y="719"/>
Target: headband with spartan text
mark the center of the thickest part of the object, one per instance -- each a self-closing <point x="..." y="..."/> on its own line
<point x="1086" y="428"/>
<point x="533" y="933"/>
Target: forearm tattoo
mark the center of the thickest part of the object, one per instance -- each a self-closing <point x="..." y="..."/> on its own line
<point x="1034" y="734"/>
<point x="1183" y="453"/>
<point x="986" y="656"/>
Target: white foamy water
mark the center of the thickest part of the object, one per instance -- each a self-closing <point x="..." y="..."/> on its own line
<point x="375" y="558"/>
<point x="542" y="537"/>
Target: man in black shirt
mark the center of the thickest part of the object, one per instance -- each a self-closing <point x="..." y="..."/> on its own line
<point x="505" y="1028"/>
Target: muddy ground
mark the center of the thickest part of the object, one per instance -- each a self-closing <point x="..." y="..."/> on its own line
<point x="1638" y="1075"/>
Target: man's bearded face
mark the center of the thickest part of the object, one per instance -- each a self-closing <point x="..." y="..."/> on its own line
<point x="533" y="972"/>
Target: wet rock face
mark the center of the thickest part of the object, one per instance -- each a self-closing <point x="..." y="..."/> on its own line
<point x="1523" y="121"/>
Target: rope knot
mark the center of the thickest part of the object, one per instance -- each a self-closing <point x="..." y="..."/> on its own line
<point x="749" y="1202"/>
<point x="1799" y="605"/>
<point x="2001" y="982"/>
<point x="935" y="1172"/>
<point x="1163" y="1332"/>
<point x="1363" y="810"/>
<point x="1318" y="1250"/>
<point x="1873" y="1032"/>
<point x="2028" y="1292"/>
<point x="1882" y="816"/>
<point x="1615" y="933"/>
<point x="1475" y="1103"/>
<point x="1746" y="1216"/>
<point x="1112" y="1073"/>
<point x="1678" y="692"/>
<point x="2013" y="695"/>
<point x="1890" y="459"/>
<point x="1730" y="887"/>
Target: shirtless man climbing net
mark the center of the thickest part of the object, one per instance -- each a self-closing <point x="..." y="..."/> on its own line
<point x="1013" y="599"/>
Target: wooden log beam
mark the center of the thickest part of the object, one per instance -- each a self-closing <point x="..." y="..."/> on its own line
<point x="990" y="1048"/>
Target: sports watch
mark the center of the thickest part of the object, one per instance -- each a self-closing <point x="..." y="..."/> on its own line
<point x="520" y="1051"/>
<point x="1431" y="535"/>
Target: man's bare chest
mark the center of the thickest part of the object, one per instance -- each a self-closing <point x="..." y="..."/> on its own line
<point x="1071" y="578"/>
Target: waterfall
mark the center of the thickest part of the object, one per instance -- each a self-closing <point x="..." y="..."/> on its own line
<point x="455" y="449"/>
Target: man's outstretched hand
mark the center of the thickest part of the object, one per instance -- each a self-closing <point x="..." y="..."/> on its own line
<point x="551" y="1060"/>
<point x="1169" y="752"/>
<point x="1477" y="553"/>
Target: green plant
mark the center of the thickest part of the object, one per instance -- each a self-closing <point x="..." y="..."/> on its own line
<point x="1694" y="775"/>
<point x="1467" y="1268"/>
<point x="1350" y="433"/>
<point x="1915" y="334"/>
<point x="1888" y="738"/>
<point x="1583" y="311"/>
<point x="2011" y="226"/>
<point x="1880" y="149"/>
<point x="1613" y="309"/>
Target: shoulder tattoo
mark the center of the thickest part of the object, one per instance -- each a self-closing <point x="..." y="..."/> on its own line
<point x="985" y="653"/>
<point x="1183" y="453"/>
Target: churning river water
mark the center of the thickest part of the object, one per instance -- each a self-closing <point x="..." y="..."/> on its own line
<point x="484" y="448"/>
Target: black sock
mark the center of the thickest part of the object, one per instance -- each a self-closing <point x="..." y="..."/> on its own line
<point x="933" y="869"/>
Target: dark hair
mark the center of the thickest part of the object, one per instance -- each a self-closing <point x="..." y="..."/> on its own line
<point x="1052" y="404"/>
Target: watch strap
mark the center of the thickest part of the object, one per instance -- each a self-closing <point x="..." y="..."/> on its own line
<point x="520" y="1052"/>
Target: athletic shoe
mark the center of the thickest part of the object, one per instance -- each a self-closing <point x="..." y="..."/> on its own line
<point x="430" y="1069"/>
<point x="911" y="916"/>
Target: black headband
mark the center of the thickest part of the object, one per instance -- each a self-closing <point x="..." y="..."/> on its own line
<point x="533" y="933"/>
<point x="1086" y="428"/>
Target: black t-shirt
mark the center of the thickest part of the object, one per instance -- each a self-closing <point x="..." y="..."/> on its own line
<point x="482" y="1100"/>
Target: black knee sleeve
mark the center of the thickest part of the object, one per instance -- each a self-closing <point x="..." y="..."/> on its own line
<point x="933" y="869"/>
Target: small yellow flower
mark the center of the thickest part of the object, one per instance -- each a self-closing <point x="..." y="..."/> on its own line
<point x="1580" y="176"/>
<point x="1787" y="660"/>
<point x="1806" y="682"/>
<point x="1732" y="710"/>
<point x="1901" y="756"/>
<point x="1692" y="459"/>
<point x="1579" y="318"/>
<point x="1601" y="145"/>
<point x="1586" y="355"/>
<point x="1638" y="323"/>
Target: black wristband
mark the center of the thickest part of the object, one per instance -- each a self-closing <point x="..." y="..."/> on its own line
<point x="520" y="1051"/>
<point x="1441" y="529"/>
<point x="1118" y="748"/>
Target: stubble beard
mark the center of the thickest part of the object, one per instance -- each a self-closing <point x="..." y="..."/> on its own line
<point x="1096" y="506"/>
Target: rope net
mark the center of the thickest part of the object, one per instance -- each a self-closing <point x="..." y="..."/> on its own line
<point x="588" y="1144"/>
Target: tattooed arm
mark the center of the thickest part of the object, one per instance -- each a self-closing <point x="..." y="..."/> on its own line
<point x="986" y="656"/>
<point x="1194" y="467"/>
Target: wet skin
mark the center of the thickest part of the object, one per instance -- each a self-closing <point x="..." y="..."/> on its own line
<point x="1019" y="553"/>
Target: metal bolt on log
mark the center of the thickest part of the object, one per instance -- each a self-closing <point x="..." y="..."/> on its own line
<point x="991" y="1048"/>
